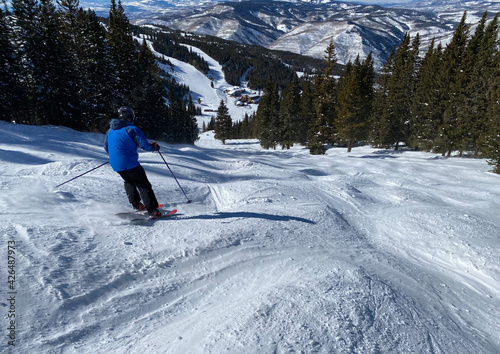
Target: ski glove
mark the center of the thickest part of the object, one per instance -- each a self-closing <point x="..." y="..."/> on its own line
<point x="155" y="147"/>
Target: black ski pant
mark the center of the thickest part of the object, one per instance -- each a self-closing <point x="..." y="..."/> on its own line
<point x="137" y="186"/>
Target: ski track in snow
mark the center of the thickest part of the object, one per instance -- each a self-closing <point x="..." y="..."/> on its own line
<point x="280" y="251"/>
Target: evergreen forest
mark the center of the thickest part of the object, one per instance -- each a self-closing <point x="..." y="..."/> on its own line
<point x="445" y="100"/>
<point x="61" y="65"/>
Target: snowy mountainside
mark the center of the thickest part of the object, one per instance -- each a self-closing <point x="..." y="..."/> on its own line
<point x="207" y="91"/>
<point x="454" y="9"/>
<point x="302" y="28"/>
<point x="441" y="6"/>
<point x="306" y="28"/>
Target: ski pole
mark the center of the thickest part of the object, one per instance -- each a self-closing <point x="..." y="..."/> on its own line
<point x="95" y="168"/>
<point x="188" y="200"/>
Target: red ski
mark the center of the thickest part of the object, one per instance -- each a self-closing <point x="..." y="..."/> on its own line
<point x="146" y="219"/>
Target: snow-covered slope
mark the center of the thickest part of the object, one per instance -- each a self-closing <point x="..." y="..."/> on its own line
<point x="280" y="251"/>
<point x="207" y="91"/>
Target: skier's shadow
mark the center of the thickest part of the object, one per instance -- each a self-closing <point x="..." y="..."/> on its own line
<point x="242" y="214"/>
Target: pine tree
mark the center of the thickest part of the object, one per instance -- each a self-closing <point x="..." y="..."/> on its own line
<point x="223" y="123"/>
<point x="489" y="142"/>
<point x="449" y="80"/>
<point x="56" y="99"/>
<point x="10" y="86"/>
<point x="26" y="35"/>
<point x="211" y="124"/>
<point x="380" y="111"/>
<point x="367" y="77"/>
<point x="191" y="107"/>
<point x="426" y="117"/>
<point x="46" y="68"/>
<point x="124" y="55"/>
<point x="482" y="84"/>
<point x="325" y="92"/>
<point x="192" y="131"/>
<point x="322" y="129"/>
<point x="469" y="94"/>
<point x="263" y="114"/>
<point x="71" y="33"/>
<point x="98" y="76"/>
<point x="192" y="123"/>
<point x="267" y="117"/>
<point x="94" y="76"/>
<point x="306" y="112"/>
<point x="394" y="127"/>
<point x="290" y="114"/>
<point x="275" y="131"/>
<point x="175" y="120"/>
<point x="150" y="103"/>
<point x="348" y="104"/>
<point x="355" y="91"/>
<point x="181" y="127"/>
<point x="246" y="127"/>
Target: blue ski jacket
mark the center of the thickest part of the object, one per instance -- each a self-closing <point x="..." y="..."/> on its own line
<point x="121" y="144"/>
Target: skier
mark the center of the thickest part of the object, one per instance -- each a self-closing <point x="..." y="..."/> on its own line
<point x="121" y="142"/>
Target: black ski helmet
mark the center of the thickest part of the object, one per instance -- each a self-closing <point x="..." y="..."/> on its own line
<point x="126" y="112"/>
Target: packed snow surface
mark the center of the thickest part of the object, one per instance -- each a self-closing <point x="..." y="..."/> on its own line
<point x="372" y="251"/>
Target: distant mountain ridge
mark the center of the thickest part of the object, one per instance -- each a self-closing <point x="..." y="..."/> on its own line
<point x="440" y="6"/>
<point x="306" y="27"/>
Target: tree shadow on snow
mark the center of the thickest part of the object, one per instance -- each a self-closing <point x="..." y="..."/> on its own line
<point x="381" y="154"/>
<point x="242" y="214"/>
<point x="374" y="157"/>
<point x="20" y="157"/>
